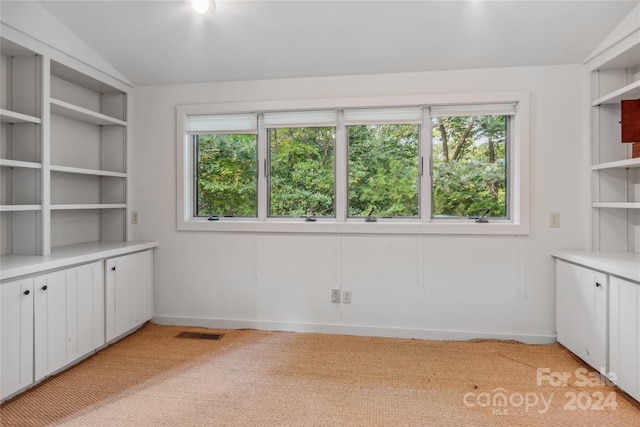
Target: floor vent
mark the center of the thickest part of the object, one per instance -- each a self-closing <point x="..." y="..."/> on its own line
<point x="199" y="336"/>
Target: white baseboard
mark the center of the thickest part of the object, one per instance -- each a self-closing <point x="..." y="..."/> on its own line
<point x="322" y="328"/>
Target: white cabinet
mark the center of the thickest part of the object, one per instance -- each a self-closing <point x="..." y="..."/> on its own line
<point x="51" y="320"/>
<point x="129" y="292"/>
<point x="581" y="312"/>
<point x="598" y="313"/>
<point x="69" y="316"/>
<point x="624" y="335"/>
<point x="48" y="322"/>
<point x="16" y="348"/>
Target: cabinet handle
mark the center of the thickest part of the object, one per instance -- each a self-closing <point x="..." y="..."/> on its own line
<point x="44" y="288"/>
<point x="27" y="292"/>
<point x="598" y="285"/>
<point x="113" y="269"/>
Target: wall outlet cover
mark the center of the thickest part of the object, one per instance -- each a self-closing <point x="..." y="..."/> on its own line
<point x="335" y="296"/>
<point x="346" y="296"/>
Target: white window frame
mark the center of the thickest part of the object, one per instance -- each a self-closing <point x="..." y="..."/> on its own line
<point x="517" y="224"/>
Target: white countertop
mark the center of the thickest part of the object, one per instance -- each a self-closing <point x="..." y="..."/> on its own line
<point x="622" y="264"/>
<point x="12" y="266"/>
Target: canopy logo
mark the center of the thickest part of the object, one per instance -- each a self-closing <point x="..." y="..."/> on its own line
<point x="501" y="402"/>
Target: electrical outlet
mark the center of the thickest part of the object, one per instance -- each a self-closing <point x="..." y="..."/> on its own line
<point x="335" y="296"/>
<point x="554" y="220"/>
<point x="346" y="296"/>
<point x="135" y="217"/>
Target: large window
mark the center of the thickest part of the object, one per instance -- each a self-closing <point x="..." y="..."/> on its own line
<point x="452" y="167"/>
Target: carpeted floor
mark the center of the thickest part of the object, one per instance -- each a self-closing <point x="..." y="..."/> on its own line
<point x="259" y="378"/>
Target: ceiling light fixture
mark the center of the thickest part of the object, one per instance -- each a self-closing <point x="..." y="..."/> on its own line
<point x="202" y="6"/>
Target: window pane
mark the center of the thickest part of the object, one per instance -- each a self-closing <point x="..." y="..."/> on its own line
<point x="383" y="170"/>
<point x="469" y="167"/>
<point x="226" y="175"/>
<point x="302" y="171"/>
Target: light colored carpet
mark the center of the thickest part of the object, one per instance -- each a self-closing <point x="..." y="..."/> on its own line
<point x="259" y="378"/>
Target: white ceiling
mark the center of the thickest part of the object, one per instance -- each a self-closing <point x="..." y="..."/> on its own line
<point x="158" y="42"/>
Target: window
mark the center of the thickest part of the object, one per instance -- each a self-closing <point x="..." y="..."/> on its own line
<point x="469" y="162"/>
<point x="225" y="158"/>
<point x="454" y="164"/>
<point x="301" y="163"/>
<point x="225" y="180"/>
<point x="384" y="148"/>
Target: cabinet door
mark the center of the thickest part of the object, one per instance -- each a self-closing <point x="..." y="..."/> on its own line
<point x="624" y="335"/>
<point x="581" y="312"/>
<point x="129" y="287"/>
<point x="69" y="316"/>
<point x="567" y="308"/>
<point x="16" y="348"/>
<point x="593" y="333"/>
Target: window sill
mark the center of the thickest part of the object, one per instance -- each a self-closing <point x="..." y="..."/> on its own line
<point x="349" y="227"/>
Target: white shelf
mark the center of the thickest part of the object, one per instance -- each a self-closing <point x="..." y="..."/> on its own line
<point x="78" y="113"/>
<point x="67" y="169"/>
<point x="19" y="208"/>
<point x="13" y="117"/>
<point x="20" y="164"/>
<point x="71" y="75"/>
<point x="621" y="164"/>
<point x="617" y="205"/>
<point x="70" y="207"/>
<point x="631" y="91"/>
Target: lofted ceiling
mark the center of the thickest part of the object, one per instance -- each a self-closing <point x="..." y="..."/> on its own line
<point x="160" y="42"/>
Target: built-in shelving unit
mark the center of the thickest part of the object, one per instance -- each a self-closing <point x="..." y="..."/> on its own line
<point x="63" y="154"/>
<point x="598" y="290"/>
<point x="615" y="76"/>
<point x="63" y="206"/>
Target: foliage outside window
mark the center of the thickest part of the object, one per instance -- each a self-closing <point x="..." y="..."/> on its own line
<point x="383" y="170"/>
<point x="302" y="171"/>
<point x="469" y="166"/>
<point x="225" y="175"/>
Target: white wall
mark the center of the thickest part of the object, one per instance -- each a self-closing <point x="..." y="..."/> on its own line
<point x="430" y="286"/>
